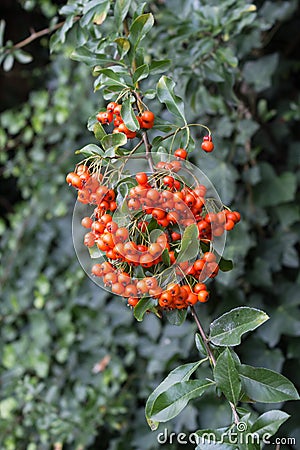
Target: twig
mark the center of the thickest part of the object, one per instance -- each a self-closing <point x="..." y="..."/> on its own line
<point x="211" y="356"/>
<point x="37" y="34"/>
<point x="148" y="147"/>
<point x="204" y="337"/>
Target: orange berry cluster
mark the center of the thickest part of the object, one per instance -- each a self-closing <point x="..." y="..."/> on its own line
<point x="113" y="114"/>
<point x="171" y="204"/>
<point x="90" y="190"/>
<point x="175" y="296"/>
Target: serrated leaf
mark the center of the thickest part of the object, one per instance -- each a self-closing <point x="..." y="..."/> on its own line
<point x="90" y="150"/>
<point x="181" y="373"/>
<point x="143" y="306"/>
<point x="269" y="422"/>
<point x="266" y="386"/>
<point x="227" y="377"/>
<point x="112" y="141"/>
<point x="176" y="316"/>
<point x="140" y="73"/>
<point x="189" y="244"/>
<point x="128" y="116"/>
<point x="228" y="329"/>
<point x="171" y="402"/>
<point x="165" y="94"/>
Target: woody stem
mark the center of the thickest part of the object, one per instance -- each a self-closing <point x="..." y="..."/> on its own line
<point x="211" y="356"/>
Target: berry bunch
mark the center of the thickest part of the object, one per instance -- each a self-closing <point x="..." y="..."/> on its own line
<point x="113" y="114"/>
<point x="159" y="202"/>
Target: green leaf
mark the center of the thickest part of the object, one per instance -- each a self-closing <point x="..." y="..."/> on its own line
<point x="123" y="46"/>
<point x="274" y="190"/>
<point x="159" y="66"/>
<point x="260" y="72"/>
<point x="227" y="377"/>
<point x="111" y="75"/>
<point x="200" y="345"/>
<point x="128" y="116"/>
<point x="120" y="11"/>
<point x="171" y="402"/>
<point x="166" y="257"/>
<point x="228" y="329"/>
<point x="83" y="54"/>
<point x="139" y="28"/>
<point x="140" y="73"/>
<point x="99" y="131"/>
<point x="165" y="93"/>
<point x="94" y="11"/>
<point x="90" y="150"/>
<point x="217" y="439"/>
<point x="113" y="141"/>
<point x="176" y="316"/>
<point x="225" y="265"/>
<point x="2" y="29"/>
<point x="8" y="62"/>
<point x="269" y="422"/>
<point x="23" y="57"/>
<point x="181" y="373"/>
<point x="95" y="252"/>
<point x="266" y="386"/>
<point x="143" y="306"/>
<point x="189" y="244"/>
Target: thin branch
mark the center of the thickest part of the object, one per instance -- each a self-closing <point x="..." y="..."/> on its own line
<point x="211" y="356"/>
<point x="204" y="337"/>
<point x="148" y="147"/>
<point x="37" y="34"/>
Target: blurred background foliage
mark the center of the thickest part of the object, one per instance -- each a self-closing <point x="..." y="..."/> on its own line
<point x="76" y="368"/>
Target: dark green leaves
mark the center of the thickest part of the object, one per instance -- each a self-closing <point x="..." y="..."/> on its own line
<point x="267" y="386"/>
<point x="113" y="141"/>
<point x="189" y="244"/>
<point x="171" y="402"/>
<point x="165" y="93"/>
<point x="227" y="377"/>
<point x="159" y="66"/>
<point x="99" y="131"/>
<point x="259" y="72"/>
<point x="178" y="375"/>
<point x="176" y="316"/>
<point x="269" y="422"/>
<point x="139" y="28"/>
<point x="120" y="11"/>
<point x="143" y="306"/>
<point x="128" y="116"/>
<point x="141" y="73"/>
<point x="228" y="329"/>
<point x="90" y="150"/>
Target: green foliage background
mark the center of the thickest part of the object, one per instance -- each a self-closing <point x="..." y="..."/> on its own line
<point x="238" y="71"/>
